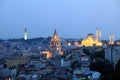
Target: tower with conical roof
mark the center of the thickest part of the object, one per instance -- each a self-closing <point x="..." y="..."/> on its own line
<point x="25" y="34"/>
<point x="55" y="44"/>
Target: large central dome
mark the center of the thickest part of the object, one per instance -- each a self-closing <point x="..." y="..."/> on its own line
<point x="90" y="34"/>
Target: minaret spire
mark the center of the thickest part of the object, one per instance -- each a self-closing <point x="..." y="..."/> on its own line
<point x="55" y="35"/>
<point x="25" y="29"/>
<point x="55" y="32"/>
<point x="97" y="34"/>
<point x="100" y="34"/>
<point x="111" y="42"/>
<point x="25" y="34"/>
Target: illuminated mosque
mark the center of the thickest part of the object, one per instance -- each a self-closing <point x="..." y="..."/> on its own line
<point x="91" y="40"/>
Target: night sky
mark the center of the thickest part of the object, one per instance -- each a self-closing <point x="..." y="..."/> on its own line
<point x="71" y="18"/>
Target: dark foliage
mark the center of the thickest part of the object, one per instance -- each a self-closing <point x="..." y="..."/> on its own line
<point x="86" y="51"/>
<point x="100" y="54"/>
<point x="117" y="71"/>
<point x="105" y="68"/>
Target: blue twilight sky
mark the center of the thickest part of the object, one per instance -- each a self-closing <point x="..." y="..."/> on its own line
<point x="71" y="18"/>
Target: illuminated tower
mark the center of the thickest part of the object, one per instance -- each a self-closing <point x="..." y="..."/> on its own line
<point x="25" y="34"/>
<point x="111" y="42"/>
<point x="100" y="35"/>
<point x="55" y="44"/>
<point x="97" y="34"/>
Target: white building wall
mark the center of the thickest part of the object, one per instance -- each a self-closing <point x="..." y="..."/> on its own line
<point x="112" y="53"/>
<point x="65" y="63"/>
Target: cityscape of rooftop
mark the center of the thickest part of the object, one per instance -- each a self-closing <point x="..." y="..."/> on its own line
<point x="72" y="19"/>
<point x="59" y="40"/>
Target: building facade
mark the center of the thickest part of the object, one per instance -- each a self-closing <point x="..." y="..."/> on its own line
<point x="15" y="62"/>
<point x="112" y="53"/>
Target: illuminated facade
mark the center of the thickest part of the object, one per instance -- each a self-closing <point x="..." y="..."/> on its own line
<point x="55" y="45"/>
<point x="25" y="34"/>
<point x="90" y="40"/>
<point x="47" y="53"/>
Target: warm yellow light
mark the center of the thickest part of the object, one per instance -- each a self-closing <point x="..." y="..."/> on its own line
<point x="90" y="41"/>
<point x="55" y="37"/>
<point x="47" y="53"/>
<point x="69" y="44"/>
<point x="57" y="48"/>
<point x="61" y="53"/>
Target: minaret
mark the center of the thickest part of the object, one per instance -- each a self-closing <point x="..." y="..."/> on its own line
<point x="25" y="34"/>
<point x="111" y="42"/>
<point x="100" y="35"/>
<point x="55" y="44"/>
<point x="97" y="34"/>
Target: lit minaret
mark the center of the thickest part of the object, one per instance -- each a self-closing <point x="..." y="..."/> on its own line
<point x="55" y="44"/>
<point x="100" y="35"/>
<point x="97" y="34"/>
<point x="25" y="34"/>
<point x="111" y="42"/>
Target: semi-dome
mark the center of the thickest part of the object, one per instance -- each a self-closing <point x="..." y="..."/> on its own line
<point x="90" y="34"/>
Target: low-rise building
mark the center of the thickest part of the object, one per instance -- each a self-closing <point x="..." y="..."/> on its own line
<point x="112" y="53"/>
<point x="85" y="73"/>
<point x="65" y="63"/>
<point x="14" y="62"/>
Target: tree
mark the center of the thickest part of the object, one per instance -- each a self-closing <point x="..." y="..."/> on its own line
<point x="104" y="67"/>
<point x="4" y="66"/>
<point x="85" y="79"/>
<point x="69" y="78"/>
<point x="75" y="64"/>
<point x="86" y="51"/>
<point x="100" y="54"/>
<point x="117" y="71"/>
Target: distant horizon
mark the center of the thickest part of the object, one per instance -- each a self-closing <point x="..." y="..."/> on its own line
<point x="12" y="37"/>
<point x="51" y="36"/>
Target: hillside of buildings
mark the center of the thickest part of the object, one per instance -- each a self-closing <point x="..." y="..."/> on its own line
<point x="55" y="58"/>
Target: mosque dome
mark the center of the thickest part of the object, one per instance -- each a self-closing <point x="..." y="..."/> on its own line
<point x="90" y="34"/>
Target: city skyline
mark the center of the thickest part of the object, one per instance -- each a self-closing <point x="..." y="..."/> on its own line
<point x="72" y="19"/>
